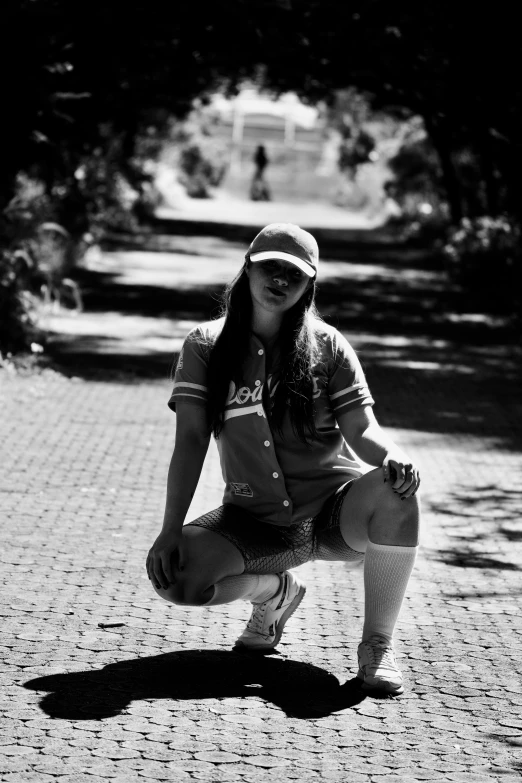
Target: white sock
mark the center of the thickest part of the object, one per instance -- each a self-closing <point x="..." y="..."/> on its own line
<point x="249" y="587"/>
<point x="387" y="570"/>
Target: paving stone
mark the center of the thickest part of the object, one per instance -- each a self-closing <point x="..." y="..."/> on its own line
<point x="192" y="765"/>
<point x="10" y="764"/>
<point x="17" y="750"/>
<point x="470" y="777"/>
<point x="28" y="777"/>
<point x="417" y="774"/>
<point x="83" y="777"/>
<point x="116" y="753"/>
<point x="217" y="757"/>
<point x="160" y="772"/>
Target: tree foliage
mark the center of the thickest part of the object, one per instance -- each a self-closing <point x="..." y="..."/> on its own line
<point x="75" y="66"/>
<point x="88" y="87"/>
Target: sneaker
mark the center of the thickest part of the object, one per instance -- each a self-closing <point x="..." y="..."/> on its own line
<point x="378" y="669"/>
<point x="268" y="619"/>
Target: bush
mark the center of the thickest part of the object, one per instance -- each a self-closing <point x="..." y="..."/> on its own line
<point x="201" y="167"/>
<point x="484" y="256"/>
<point x="17" y="314"/>
<point x="416" y="176"/>
<point x="60" y="206"/>
<point x="355" y="149"/>
<point x="426" y="226"/>
<point x="196" y="151"/>
<point x="107" y="197"/>
<point x="32" y="245"/>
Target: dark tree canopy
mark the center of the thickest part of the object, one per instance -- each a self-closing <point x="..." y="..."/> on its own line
<point x="69" y="67"/>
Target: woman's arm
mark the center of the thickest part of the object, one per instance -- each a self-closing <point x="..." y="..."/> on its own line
<point x="190" y="449"/>
<point x="364" y="435"/>
<point x="165" y="557"/>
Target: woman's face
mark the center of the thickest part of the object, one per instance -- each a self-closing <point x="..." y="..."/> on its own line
<point x="276" y="285"/>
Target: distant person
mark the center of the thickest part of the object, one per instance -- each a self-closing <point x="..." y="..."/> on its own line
<point x="286" y="397"/>
<point x="259" y="190"/>
<point x="261" y="160"/>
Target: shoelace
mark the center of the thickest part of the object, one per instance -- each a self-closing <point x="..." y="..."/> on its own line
<point x="255" y="624"/>
<point x="382" y="655"/>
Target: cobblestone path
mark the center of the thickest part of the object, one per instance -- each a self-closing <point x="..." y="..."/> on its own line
<point x="101" y="680"/>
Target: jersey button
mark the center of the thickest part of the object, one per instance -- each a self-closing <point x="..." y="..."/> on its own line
<point x="275" y="475"/>
<point x="260" y="413"/>
<point x="258" y="383"/>
<point x="260" y="352"/>
<point x="286" y="503"/>
<point x="267" y="443"/>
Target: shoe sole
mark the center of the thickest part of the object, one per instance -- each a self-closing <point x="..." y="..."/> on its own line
<point x="280" y="626"/>
<point x="391" y="689"/>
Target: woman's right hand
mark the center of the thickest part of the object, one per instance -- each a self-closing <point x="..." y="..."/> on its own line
<point x="165" y="559"/>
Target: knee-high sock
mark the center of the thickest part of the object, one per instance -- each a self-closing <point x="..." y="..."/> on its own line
<point x="387" y="570"/>
<point x="249" y="587"/>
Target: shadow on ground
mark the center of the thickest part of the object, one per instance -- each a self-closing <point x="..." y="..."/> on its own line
<point x="103" y="291"/>
<point x="483" y="522"/>
<point x="470" y="559"/>
<point x="301" y="690"/>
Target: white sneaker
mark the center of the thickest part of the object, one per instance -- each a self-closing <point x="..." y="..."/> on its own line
<point x="268" y="619"/>
<point x="377" y="666"/>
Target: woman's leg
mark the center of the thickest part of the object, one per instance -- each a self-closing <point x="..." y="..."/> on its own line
<point x="218" y="547"/>
<point x="213" y="573"/>
<point x="375" y="520"/>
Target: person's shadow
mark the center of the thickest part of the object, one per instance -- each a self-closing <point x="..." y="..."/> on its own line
<point x="300" y="689"/>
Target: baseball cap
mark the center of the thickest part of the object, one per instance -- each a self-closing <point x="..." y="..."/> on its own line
<point x="287" y="242"/>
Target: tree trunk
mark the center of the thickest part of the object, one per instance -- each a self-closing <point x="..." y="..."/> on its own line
<point x="509" y="158"/>
<point x="488" y="167"/>
<point x="450" y="179"/>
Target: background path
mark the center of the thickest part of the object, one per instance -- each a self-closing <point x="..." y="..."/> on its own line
<point x="103" y="681"/>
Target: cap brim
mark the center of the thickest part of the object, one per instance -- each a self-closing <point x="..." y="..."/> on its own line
<point x="304" y="266"/>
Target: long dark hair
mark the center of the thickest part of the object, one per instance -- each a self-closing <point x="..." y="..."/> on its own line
<point x="299" y="351"/>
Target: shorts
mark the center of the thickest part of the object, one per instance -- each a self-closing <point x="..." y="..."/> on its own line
<point x="271" y="549"/>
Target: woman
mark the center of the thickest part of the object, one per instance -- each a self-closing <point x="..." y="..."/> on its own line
<point x="286" y="398"/>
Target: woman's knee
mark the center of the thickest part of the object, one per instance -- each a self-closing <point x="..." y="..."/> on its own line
<point x="381" y="497"/>
<point x="186" y="592"/>
<point x="390" y="516"/>
<point x="173" y="593"/>
<point x="208" y="558"/>
<point x="403" y="510"/>
<point x="396" y="517"/>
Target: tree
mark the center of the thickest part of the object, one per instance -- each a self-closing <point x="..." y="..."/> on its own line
<point x="77" y="65"/>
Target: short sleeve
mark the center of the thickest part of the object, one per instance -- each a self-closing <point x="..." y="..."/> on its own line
<point x="347" y="386"/>
<point x="190" y="379"/>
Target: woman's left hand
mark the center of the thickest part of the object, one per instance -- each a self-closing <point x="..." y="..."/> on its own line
<point x="399" y="469"/>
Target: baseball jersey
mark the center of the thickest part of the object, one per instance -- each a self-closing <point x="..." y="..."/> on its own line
<point x="275" y="476"/>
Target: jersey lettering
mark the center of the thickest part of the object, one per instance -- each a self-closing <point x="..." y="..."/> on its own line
<point x="244" y="394"/>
